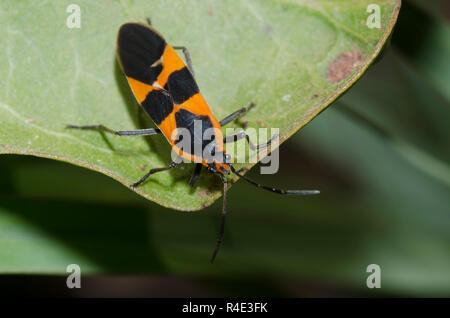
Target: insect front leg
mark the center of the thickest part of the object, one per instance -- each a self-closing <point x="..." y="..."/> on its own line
<point x="242" y="134"/>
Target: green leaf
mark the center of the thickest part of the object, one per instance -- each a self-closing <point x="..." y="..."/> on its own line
<point x="291" y="57"/>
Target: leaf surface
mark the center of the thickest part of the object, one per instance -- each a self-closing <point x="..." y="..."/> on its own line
<point x="293" y="58"/>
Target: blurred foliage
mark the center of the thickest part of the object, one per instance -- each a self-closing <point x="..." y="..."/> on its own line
<point x="380" y="157"/>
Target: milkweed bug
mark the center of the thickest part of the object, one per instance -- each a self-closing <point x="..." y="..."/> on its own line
<point x="166" y="89"/>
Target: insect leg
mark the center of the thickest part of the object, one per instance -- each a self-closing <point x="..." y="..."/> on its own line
<point x="236" y="114"/>
<point x="185" y="51"/>
<point x="272" y="189"/>
<point x="222" y="223"/>
<point x="195" y="175"/>
<point x="140" y="132"/>
<point x="187" y="56"/>
<point x="242" y="134"/>
<point x="152" y="171"/>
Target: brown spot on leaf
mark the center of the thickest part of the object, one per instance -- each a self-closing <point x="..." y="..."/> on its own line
<point x="268" y="28"/>
<point x="204" y="193"/>
<point x="344" y="65"/>
<point x="260" y="122"/>
<point x="142" y="167"/>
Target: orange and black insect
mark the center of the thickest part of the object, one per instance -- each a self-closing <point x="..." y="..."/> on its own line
<point x="166" y="89"/>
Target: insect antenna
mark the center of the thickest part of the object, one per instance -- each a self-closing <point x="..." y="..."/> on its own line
<point x="272" y="189"/>
<point x="222" y="223"/>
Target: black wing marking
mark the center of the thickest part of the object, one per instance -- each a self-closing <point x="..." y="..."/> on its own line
<point x="158" y="104"/>
<point x="139" y="47"/>
<point x="181" y="85"/>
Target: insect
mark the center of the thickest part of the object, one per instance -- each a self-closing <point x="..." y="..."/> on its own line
<point x="166" y="89"/>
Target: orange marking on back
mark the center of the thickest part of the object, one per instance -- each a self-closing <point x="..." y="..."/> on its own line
<point x="140" y="90"/>
<point x="197" y="104"/>
<point x="168" y="125"/>
<point x="171" y="62"/>
<point x="188" y="156"/>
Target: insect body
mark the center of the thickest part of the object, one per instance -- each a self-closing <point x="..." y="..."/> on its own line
<point x="168" y="92"/>
<point x="166" y="89"/>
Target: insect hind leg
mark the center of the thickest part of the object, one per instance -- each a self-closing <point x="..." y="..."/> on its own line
<point x="139" y="132"/>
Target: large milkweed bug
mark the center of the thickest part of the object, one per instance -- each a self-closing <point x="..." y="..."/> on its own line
<point x="166" y="89"/>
